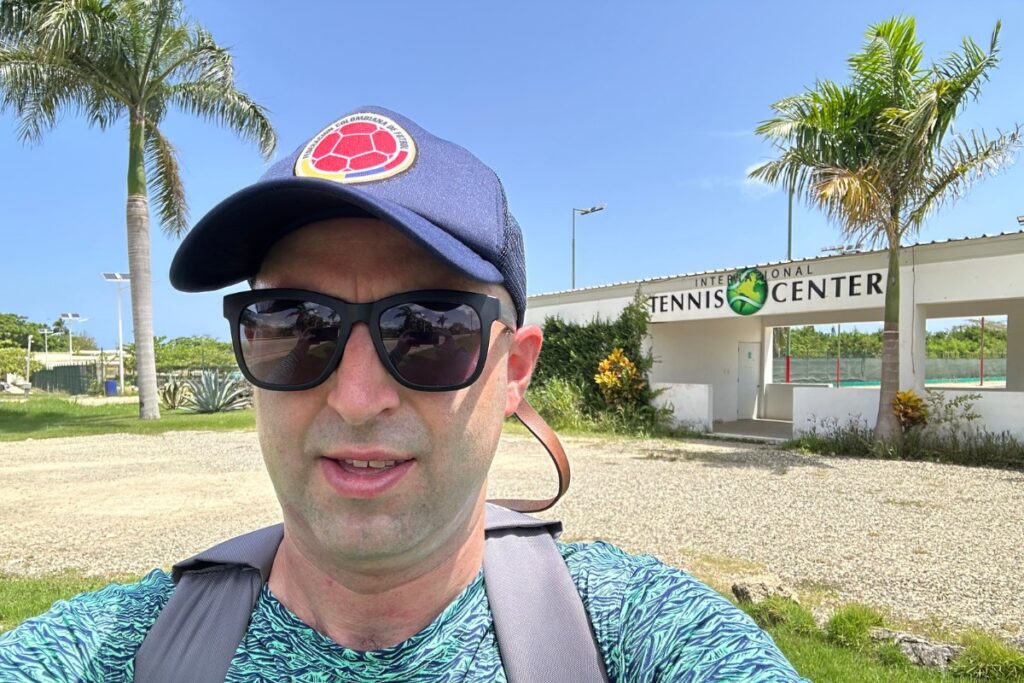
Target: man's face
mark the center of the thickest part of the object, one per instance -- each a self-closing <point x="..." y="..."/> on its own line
<point x="362" y="413"/>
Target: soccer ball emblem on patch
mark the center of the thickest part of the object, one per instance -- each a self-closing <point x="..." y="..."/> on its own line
<point x="357" y="149"/>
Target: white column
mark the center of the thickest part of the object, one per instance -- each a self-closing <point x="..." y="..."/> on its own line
<point x="912" y="329"/>
<point x="1015" y="348"/>
<point x="767" y="362"/>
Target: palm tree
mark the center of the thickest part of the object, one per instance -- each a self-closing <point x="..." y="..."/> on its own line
<point x="133" y="60"/>
<point x="879" y="155"/>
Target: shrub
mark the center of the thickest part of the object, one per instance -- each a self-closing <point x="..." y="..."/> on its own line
<point x="560" y="403"/>
<point x="911" y="410"/>
<point x="174" y="393"/>
<point x="987" y="658"/>
<point x="619" y="380"/>
<point x="951" y="414"/>
<point x="13" y="360"/>
<point x="851" y="624"/>
<point x="214" y="392"/>
<point x="572" y="351"/>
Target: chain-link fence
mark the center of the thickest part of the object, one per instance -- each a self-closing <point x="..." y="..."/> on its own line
<point x="853" y="371"/>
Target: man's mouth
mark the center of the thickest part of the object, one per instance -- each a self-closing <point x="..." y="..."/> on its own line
<point x="373" y="464"/>
<point x="366" y="477"/>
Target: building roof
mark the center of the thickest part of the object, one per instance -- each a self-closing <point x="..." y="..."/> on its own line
<point x="768" y="264"/>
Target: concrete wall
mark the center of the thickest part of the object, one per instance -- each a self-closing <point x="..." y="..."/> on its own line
<point x="999" y="411"/>
<point x="703" y="352"/>
<point x="778" y="400"/>
<point x="691" y="404"/>
<point x="815" y="405"/>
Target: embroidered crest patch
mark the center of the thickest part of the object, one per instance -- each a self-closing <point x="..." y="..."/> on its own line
<point x="357" y="149"/>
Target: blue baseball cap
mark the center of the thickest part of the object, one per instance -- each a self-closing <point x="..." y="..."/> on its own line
<point x="374" y="163"/>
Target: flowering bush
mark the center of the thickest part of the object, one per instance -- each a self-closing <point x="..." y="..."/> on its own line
<point x="619" y="380"/>
<point x="911" y="410"/>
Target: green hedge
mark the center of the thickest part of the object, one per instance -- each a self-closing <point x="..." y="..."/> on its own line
<point x="563" y="381"/>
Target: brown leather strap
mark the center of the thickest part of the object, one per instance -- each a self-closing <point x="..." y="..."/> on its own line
<point x="547" y="437"/>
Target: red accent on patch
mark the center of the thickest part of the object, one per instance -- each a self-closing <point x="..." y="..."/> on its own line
<point x="384" y="142"/>
<point x="397" y="160"/>
<point x="365" y="161"/>
<point x="326" y="145"/>
<point x="352" y="145"/>
<point x="330" y="163"/>
<point x="357" y="127"/>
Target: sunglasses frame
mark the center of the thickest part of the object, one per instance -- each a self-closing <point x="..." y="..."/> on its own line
<point x="488" y="309"/>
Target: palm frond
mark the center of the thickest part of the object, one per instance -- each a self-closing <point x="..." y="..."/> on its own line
<point x="38" y="92"/>
<point x="890" y="61"/>
<point x="63" y="26"/>
<point x="164" y="175"/>
<point x="855" y="199"/>
<point x="230" y="108"/>
<point x="961" y="163"/>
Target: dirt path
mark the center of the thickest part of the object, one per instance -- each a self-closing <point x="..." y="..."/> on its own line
<point x="929" y="542"/>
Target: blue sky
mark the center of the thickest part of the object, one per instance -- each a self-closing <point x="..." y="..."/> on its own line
<point x="647" y="107"/>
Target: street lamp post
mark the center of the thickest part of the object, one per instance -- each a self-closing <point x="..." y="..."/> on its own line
<point x="46" y="332"/>
<point x="582" y="212"/>
<point x="120" y="279"/>
<point x="71" y="318"/>
<point x="28" y="360"/>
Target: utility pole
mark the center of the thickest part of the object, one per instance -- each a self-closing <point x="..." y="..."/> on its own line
<point x="28" y="360"/>
<point x="46" y="332"/>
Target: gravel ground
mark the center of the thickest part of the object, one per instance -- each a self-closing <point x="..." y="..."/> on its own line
<point x="937" y="543"/>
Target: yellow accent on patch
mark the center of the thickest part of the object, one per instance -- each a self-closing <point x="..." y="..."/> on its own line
<point x="358" y="148"/>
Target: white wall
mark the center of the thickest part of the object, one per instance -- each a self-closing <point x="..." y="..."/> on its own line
<point x="691" y="404"/>
<point x="815" y="405"/>
<point x="703" y="352"/>
<point x="778" y="400"/>
<point x="999" y="411"/>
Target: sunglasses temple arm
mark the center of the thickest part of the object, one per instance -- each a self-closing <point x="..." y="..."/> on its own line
<point x="547" y="437"/>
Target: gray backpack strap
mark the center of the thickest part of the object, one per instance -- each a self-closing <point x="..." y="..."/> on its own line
<point x="543" y="632"/>
<point x="195" y="637"/>
<point x="542" y="628"/>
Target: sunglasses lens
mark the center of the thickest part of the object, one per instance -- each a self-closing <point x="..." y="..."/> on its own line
<point x="287" y="342"/>
<point x="432" y="343"/>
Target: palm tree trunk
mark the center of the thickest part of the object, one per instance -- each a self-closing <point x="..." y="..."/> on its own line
<point x="887" y="426"/>
<point x="141" y="272"/>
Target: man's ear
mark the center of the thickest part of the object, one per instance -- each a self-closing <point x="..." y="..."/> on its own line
<point x="522" y="358"/>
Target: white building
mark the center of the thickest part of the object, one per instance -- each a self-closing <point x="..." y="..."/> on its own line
<point x="717" y="363"/>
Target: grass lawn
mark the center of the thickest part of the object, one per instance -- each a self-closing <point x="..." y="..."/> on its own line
<point x="47" y="417"/>
<point x="23" y="597"/>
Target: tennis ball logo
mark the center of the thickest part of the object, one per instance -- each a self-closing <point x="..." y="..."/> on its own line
<point x="747" y="291"/>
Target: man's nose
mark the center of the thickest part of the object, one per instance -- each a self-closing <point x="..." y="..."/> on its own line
<point x="361" y="388"/>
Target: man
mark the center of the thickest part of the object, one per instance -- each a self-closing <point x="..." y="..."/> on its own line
<point x="384" y="333"/>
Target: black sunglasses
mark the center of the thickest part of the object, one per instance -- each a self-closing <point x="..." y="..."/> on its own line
<point x="430" y="340"/>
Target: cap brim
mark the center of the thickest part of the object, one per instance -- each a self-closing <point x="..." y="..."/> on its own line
<point x="229" y="243"/>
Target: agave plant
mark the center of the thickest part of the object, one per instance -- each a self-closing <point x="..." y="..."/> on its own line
<point x="174" y="393"/>
<point x="214" y="392"/>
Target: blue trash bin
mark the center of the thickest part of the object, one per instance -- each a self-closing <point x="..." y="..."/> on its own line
<point x="110" y="387"/>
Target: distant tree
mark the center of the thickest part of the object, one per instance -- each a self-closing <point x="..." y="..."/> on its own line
<point x="15" y="329"/>
<point x="134" y="60"/>
<point x="879" y="155"/>
<point x="186" y="353"/>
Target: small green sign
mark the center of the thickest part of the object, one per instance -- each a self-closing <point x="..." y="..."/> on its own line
<point x="747" y="291"/>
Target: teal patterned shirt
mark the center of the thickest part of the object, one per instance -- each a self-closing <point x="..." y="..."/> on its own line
<point x="653" y="623"/>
